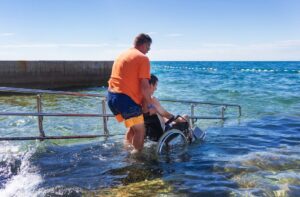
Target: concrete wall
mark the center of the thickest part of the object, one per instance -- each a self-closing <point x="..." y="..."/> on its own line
<point x="54" y="74"/>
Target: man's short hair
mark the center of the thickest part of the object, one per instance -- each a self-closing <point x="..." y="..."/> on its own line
<point x="153" y="80"/>
<point x="141" y="39"/>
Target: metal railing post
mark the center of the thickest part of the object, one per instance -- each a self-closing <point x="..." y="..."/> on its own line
<point x="106" y="131"/>
<point x="223" y="112"/>
<point x="40" y="118"/>
<point x="192" y="114"/>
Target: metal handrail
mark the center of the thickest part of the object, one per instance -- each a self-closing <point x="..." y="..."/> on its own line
<point x="197" y="102"/>
<point x="194" y="103"/>
<point x="36" y="91"/>
<point x="104" y="115"/>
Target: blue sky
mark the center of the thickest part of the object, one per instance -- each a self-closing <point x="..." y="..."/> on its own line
<point x="180" y="29"/>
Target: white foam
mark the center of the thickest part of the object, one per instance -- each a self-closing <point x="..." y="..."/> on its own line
<point x="102" y="158"/>
<point x="25" y="183"/>
<point x="108" y="145"/>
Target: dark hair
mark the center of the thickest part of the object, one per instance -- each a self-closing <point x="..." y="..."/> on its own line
<point x="141" y="39"/>
<point x="153" y="80"/>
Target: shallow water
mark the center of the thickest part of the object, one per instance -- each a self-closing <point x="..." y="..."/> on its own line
<point x="255" y="155"/>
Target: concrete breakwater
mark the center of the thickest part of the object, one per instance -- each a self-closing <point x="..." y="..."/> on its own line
<point x="54" y="74"/>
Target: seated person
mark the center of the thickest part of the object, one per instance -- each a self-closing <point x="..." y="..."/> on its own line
<point x="155" y="123"/>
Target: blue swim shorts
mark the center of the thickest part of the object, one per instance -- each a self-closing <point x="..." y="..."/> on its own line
<point x="124" y="108"/>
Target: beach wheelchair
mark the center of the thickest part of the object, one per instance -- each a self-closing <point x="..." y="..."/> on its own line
<point x="172" y="136"/>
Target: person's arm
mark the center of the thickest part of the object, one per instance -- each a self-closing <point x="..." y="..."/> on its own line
<point x="161" y="110"/>
<point x="144" y="76"/>
<point x="146" y="92"/>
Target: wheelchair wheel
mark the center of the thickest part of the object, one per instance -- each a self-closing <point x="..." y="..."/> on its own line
<point x="172" y="141"/>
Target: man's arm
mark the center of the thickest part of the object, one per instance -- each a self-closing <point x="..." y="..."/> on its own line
<point x="161" y="110"/>
<point x="146" y="91"/>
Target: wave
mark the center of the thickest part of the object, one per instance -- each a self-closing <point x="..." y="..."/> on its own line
<point x="18" y="177"/>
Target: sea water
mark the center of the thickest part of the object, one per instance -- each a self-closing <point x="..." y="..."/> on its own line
<point x="257" y="154"/>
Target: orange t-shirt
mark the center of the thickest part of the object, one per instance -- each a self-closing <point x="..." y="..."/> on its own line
<point x="127" y="71"/>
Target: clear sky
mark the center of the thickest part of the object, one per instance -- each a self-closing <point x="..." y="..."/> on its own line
<point x="180" y="29"/>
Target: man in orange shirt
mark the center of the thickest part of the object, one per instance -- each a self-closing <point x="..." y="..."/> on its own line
<point x="129" y="89"/>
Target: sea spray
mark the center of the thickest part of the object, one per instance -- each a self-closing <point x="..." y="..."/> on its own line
<point x="20" y="178"/>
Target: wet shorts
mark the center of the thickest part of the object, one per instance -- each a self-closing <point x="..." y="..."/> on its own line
<point x="124" y="108"/>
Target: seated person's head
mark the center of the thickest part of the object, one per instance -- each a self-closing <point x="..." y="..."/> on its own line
<point x="153" y="83"/>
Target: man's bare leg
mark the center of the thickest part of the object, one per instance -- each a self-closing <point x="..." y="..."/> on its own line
<point x="138" y="137"/>
<point x="129" y="136"/>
